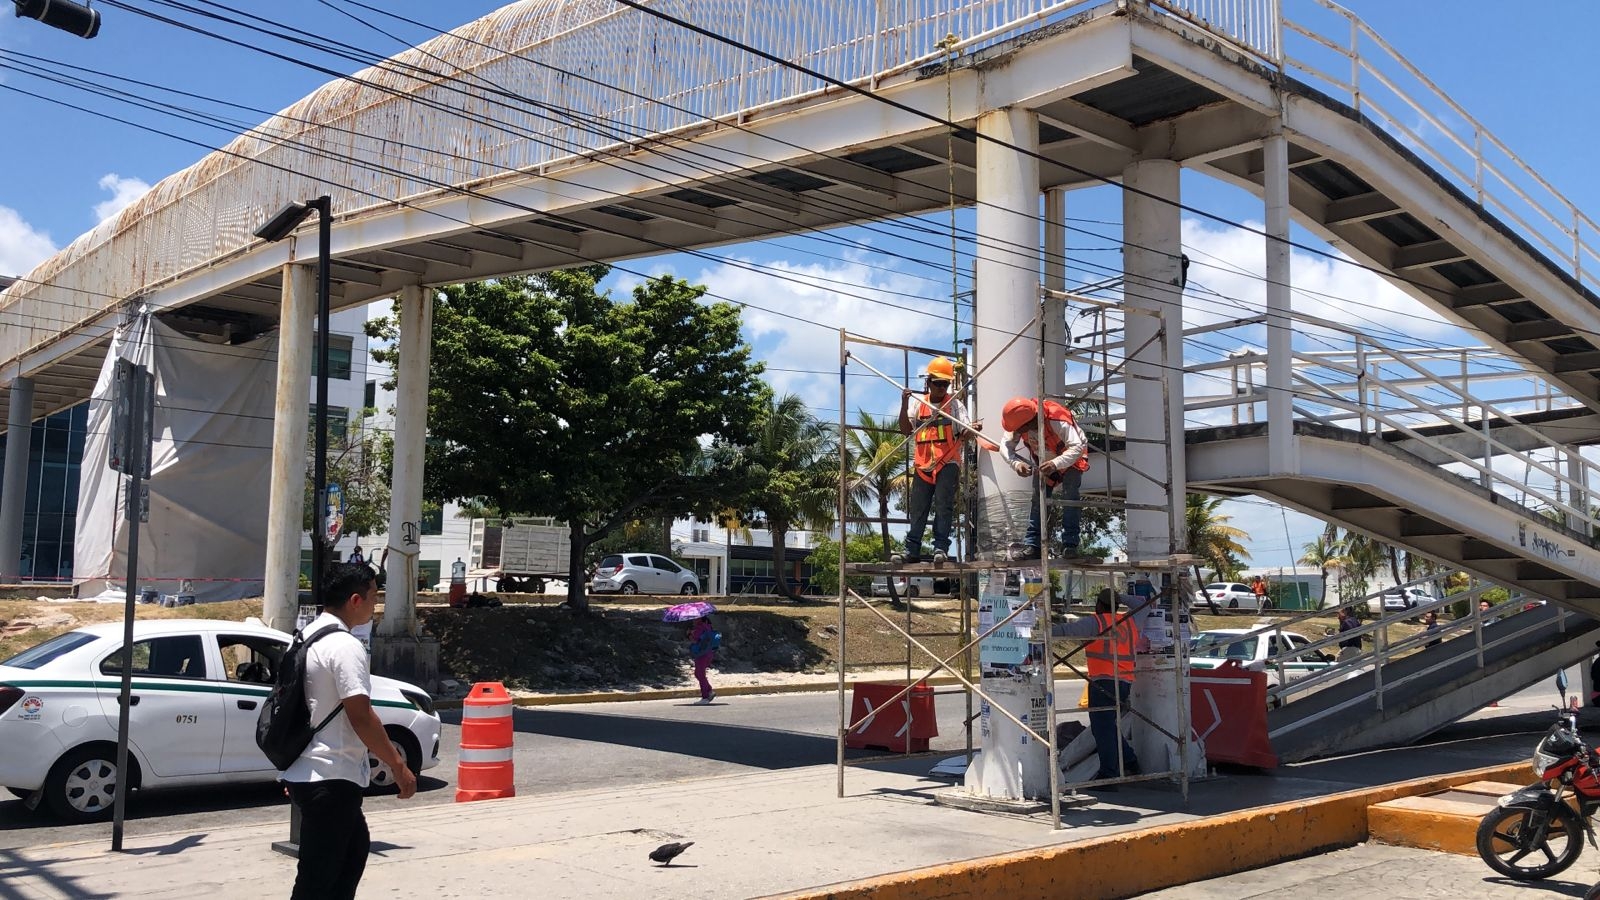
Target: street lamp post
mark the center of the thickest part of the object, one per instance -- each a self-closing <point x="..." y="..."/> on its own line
<point x="276" y="229"/>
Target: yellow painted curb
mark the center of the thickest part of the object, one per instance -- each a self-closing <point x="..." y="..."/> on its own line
<point x="1150" y="859"/>
<point x="1446" y="822"/>
<point x="680" y="693"/>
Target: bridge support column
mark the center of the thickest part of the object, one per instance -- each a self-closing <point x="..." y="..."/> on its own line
<point x="398" y="649"/>
<point x="1280" y="327"/>
<point x="286" y="503"/>
<point x="1153" y="278"/>
<point x="14" y="487"/>
<point x="1055" y="279"/>
<point x="1007" y="286"/>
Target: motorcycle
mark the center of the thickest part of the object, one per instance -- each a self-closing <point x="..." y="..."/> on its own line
<point x="1538" y="831"/>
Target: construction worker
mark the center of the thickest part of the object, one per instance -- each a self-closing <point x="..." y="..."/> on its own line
<point x="937" y="459"/>
<point x="1066" y="457"/>
<point x="1109" y="661"/>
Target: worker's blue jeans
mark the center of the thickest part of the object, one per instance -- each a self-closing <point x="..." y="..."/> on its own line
<point x="1071" y="516"/>
<point x="1103" y="724"/>
<point x="940" y="497"/>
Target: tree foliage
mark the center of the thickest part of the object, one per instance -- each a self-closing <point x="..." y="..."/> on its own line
<point x="550" y="397"/>
<point x="860" y="547"/>
<point x="359" y="462"/>
<point x="793" y="471"/>
<point x="1211" y="538"/>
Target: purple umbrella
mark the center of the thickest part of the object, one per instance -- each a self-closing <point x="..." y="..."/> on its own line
<point x="688" y="612"/>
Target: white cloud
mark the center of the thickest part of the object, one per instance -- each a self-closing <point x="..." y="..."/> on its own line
<point x="822" y="298"/>
<point x="123" y="192"/>
<point x="1232" y="262"/>
<point x="21" y="247"/>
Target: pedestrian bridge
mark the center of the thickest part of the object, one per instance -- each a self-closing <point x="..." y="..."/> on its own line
<point x="552" y="133"/>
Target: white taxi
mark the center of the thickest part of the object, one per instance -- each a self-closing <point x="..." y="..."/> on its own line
<point x="198" y="686"/>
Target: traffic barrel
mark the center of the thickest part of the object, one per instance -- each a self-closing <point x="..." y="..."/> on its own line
<point x="485" y="768"/>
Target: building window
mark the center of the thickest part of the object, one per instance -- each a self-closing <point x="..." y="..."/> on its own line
<point x="369" y="400"/>
<point x="338" y="424"/>
<point x="340" y="349"/>
<point x="701" y="535"/>
<point x="433" y="520"/>
<point x="428" y="573"/>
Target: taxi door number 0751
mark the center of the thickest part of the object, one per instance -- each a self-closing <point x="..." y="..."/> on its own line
<point x="187" y="719"/>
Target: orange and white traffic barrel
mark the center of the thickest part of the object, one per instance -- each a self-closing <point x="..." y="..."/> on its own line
<point x="485" y="768"/>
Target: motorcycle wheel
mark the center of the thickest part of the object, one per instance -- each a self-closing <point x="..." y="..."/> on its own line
<point x="1504" y="838"/>
<point x="1592" y="893"/>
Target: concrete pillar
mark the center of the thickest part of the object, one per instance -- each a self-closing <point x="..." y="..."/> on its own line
<point x="1280" y="328"/>
<point x="1152" y="271"/>
<point x="1006" y="276"/>
<point x="405" y="489"/>
<point x="400" y="649"/>
<point x="1055" y="278"/>
<point x="286" y="500"/>
<point x="14" y="487"/>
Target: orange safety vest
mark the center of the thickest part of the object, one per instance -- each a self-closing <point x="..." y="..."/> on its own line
<point x="1111" y="656"/>
<point x="1052" y="442"/>
<point x="937" y="442"/>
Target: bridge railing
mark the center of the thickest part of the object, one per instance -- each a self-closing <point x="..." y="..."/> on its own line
<point x="1334" y="51"/>
<point x="1462" y="409"/>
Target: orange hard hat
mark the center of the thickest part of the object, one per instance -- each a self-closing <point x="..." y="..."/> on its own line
<point x="1018" y="412"/>
<point x="942" y="368"/>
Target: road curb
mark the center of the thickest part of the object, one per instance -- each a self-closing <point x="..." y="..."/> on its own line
<point x="1151" y="859"/>
<point x="742" y="690"/>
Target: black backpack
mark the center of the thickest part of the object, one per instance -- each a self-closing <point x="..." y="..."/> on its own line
<point x="283" y="729"/>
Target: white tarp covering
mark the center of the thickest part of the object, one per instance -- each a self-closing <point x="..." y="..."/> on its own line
<point x="210" y="471"/>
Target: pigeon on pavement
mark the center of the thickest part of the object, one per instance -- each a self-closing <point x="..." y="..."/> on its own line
<point x="666" y="853"/>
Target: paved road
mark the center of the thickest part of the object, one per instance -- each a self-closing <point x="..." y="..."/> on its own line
<point x="558" y="748"/>
<point x="607" y="745"/>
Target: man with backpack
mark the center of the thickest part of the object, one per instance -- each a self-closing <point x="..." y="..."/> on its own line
<point x="327" y="780"/>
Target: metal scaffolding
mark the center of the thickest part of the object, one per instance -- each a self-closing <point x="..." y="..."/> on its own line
<point x="1037" y="610"/>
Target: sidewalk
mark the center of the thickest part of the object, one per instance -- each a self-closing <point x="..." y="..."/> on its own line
<point x="755" y="834"/>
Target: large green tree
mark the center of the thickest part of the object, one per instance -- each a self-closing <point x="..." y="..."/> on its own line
<point x="550" y="397"/>
<point x="794" y="477"/>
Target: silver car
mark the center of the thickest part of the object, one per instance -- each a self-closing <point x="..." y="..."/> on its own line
<point x="642" y="573"/>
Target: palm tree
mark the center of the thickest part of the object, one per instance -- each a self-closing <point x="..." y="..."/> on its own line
<point x="1363" y="556"/>
<point x="879" y="474"/>
<point x="1210" y="537"/>
<point x="1324" y="554"/>
<point x="878" y="468"/>
<point x="795" y="463"/>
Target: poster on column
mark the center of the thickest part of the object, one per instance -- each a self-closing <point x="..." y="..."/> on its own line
<point x="1007" y="648"/>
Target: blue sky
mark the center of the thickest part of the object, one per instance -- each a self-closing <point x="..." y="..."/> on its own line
<point x="1525" y="71"/>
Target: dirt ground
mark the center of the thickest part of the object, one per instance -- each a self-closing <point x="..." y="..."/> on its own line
<point x="544" y="647"/>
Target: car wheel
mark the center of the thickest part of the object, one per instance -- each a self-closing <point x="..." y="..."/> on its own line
<point x="911" y="592"/>
<point x="688" y="590"/>
<point x="629" y="587"/>
<point x="82" y="785"/>
<point x="404" y="742"/>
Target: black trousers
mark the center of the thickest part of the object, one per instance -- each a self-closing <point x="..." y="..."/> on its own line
<point x="333" y="839"/>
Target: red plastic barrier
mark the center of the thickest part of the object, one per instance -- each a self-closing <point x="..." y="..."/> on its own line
<point x="902" y="727"/>
<point x="1228" y="708"/>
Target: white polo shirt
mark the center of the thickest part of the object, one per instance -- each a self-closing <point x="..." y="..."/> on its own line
<point x="336" y="668"/>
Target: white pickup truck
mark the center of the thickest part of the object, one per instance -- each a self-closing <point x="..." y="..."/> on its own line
<point x="1210" y="649"/>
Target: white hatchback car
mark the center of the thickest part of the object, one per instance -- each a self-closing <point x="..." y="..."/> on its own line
<point x="198" y="685"/>
<point x="642" y="573"/>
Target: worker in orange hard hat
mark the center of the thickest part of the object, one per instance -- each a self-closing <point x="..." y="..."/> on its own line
<point x="938" y="440"/>
<point x="1061" y="463"/>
